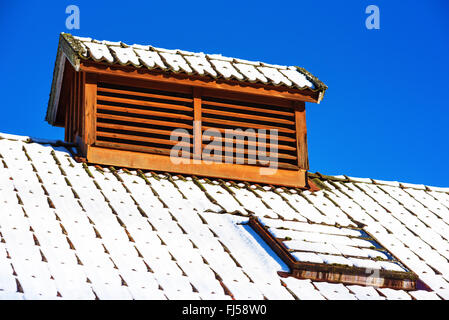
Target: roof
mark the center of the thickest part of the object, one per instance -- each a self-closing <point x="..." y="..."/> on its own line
<point x="75" y="231"/>
<point x="215" y="66"/>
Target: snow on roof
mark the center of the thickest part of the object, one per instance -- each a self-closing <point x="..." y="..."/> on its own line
<point x="75" y="49"/>
<point x="214" y="65"/>
<point x="74" y="231"/>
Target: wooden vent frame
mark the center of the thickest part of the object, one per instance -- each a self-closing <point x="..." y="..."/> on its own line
<point x="123" y="117"/>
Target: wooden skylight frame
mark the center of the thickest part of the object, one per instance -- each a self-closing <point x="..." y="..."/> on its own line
<point x="349" y="275"/>
<point x="78" y="111"/>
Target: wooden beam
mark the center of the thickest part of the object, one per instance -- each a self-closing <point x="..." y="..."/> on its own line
<point x="247" y="98"/>
<point x="130" y="137"/>
<point x="273" y="111"/>
<point x="71" y="105"/>
<point x="147" y="129"/>
<point x="147" y="112"/>
<point x="137" y="148"/>
<point x="142" y="94"/>
<point x="145" y="161"/>
<point x="64" y="97"/>
<point x="76" y="115"/>
<point x="146" y="121"/>
<point x="82" y="102"/>
<point x="202" y="82"/>
<point x="301" y="135"/>
<point x="90" y="109"/>
<point x="231" y="114"/>
<point x="197" y="127"/>
<point x="143" y="103"/>
<point x="133" y="82"/>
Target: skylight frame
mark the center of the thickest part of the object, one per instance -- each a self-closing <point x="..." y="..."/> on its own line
<point x="349" y="275"/>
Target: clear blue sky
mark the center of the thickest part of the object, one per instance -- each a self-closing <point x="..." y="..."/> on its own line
<point x="384" y="116"/>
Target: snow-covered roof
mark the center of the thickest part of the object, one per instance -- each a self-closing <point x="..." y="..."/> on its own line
<point x="76" y="231"/>
<point x="198" y="63"/>
<point x="215" y="66"/>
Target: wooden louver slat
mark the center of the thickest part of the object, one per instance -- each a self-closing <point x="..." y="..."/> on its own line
<point x="234" y="114"/>
<point x="125" y="101"/>
<point x="143" y="94"/>
<point x="243" y="124"/>
<point x="224" y="114"/>
<point x="142" y="119"/>
<point x="249" y="108"/>
<point x="128" y="110"/>
<point x="128" y="119"/>
<point x="249" y="134"/>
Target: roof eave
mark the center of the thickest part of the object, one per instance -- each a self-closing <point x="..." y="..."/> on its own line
<point x="65" y="52"/>
<point x="304" y="94"/>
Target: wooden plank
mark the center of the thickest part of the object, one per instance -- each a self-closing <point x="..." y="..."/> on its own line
<point x="140" y="129"/>
<point x="249" y="108"/>
<point x="197" y="134"/>
<point x="143" y="103"/>
<point x="301" y="135"/>
<point x="90" y="108"/>
<point x="241" y="124"/>
<point x="75" y="105"/>
<point x="247" y="151"/>
<point x="146" y="121"/>
<point x="78" y="105"/>
<point x="144" y="94"/>
<point x="224" y="159"/>
<point x="82" y="107"/>
<point x="128" y="110"/>
<point x="55" y="108"/>
<point x="64" y="101"/>
<point x="67" y="110"/>
<point x="145" y="161"/>
<point x="69" y="128"/>
<point x="138" y="148"/>
<point x="249" y="134"/>
<point x="247" y="98"/>
<point x="203" y="82"/>
<point x="111" y="78"/>
<point x="115" y="135"/>
<point x="66" y="121"/>
<point x="243" y="115"/>
<point x="247" y="142"/>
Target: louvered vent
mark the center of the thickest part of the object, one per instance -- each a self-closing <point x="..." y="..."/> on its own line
<point x="184" y="124"/>
<point x="221" y="114"/>
<point x="141" y="119"/>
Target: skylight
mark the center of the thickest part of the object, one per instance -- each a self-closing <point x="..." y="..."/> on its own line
<point x="333" y="254"/>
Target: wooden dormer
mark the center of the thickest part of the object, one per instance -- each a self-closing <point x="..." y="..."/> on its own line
<point x="121" y="103"/>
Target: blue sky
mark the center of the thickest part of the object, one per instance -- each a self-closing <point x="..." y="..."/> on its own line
<point x="385" y="114"/>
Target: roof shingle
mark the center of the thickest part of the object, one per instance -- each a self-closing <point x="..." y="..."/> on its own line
<point x="71" y="230"/>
